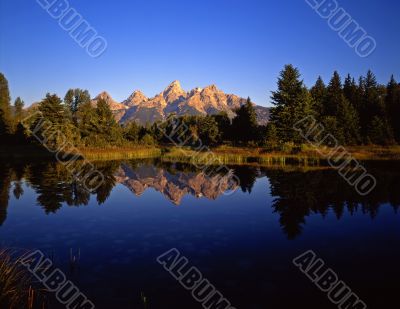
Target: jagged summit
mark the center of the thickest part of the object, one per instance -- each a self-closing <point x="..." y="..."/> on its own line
<point x="212" y="87"/>
<point x="174" y="93"/>
<point x="136" y="98"/>
<point x="175" y="84"/>
<point x="198" y="101"/>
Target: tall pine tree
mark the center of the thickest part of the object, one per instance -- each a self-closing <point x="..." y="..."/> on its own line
<point x="340" y="117"/>
<point x="373" y="113"/>
<point x="348" y="123"/>
<point x="392" y="102"/>
<point x="292" y="103"/>
<point x="244" y="125"/>
<point x="334" y="96"/>
<point x="98" y="125"/>
<point x="18" y="110"/>
<point x="351" y="92"/>
<point x="318" y="93"/>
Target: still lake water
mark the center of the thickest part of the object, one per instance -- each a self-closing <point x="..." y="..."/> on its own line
<point x="243" y="243"/>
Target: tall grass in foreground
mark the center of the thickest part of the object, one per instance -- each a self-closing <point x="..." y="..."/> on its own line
<point x="16" y="283"/>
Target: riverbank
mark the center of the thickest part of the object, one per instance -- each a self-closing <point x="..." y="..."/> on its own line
<point x="222" y="154"/>
<point x="304" y="155"/>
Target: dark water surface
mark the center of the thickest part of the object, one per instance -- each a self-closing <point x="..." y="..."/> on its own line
<point x="243" y="243"/>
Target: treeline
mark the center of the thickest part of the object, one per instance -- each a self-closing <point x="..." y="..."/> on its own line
<point x="83" y="124"/>
<point x="358" y="112"/>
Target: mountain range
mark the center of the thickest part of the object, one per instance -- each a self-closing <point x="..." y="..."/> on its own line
<point x="199" y="101"/>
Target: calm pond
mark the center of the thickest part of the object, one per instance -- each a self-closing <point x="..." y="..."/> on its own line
<point x="243" y="242"/>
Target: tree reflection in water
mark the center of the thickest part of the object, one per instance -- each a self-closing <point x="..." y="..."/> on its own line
<point x="297" y="193"/>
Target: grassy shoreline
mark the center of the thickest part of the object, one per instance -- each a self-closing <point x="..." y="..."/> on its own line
<point x="223" y="154"/>
<point x="307" y="156"/>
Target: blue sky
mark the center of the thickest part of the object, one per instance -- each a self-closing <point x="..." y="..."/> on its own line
<point x="238" y="45"/>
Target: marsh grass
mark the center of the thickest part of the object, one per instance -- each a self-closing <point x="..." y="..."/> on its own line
<point x="235" y="155"/>
<point x="302" y="155"/>
<point x="17" y="287"/>
<point x="374" y="152"/>
<point x="120" y="153"/>
<point x="287" y="154"/>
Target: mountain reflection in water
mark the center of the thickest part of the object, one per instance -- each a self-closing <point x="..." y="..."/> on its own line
<point x="297" y="193"/>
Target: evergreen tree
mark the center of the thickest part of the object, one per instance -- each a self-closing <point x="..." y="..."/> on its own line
<point x="353" y="94"/>
<point x="52" y="109"/>
<point x="97" y="125"/>
<point x="392" y="102"/>
<point x="271" y="137"/>
<point x="379" y="132"/>
<point x="348" y="122"/>
<point x="53" y="128"/>
<point x="18" y="116"/>
<point x="340" y="117"/>
<point x="318" y="93"/>
<point x="292" y="103"/>
<point x="131" y="132"/>
<point x="332" y="126"/>
<point x="86" y="120"/>
<point x="74" y="98"/>
<point x="18" y="109"/>
<point x="372" y="105"/>
<point x="5" y="109"/>
<point x="372" y="108"/>
<point x="105" y="116"/>
<point x="102" y="128"/>
<point x="350" y="91"/>
<point x="157" y="132"/>
<point x="208" y="130"/>
<point x="224" y="126"/>
<point x="334" y="96"/>
<point x="244" y="125"/>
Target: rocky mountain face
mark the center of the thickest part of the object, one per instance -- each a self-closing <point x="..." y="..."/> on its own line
<point x="199" y="101"/>
<point x="135" y="99"/>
